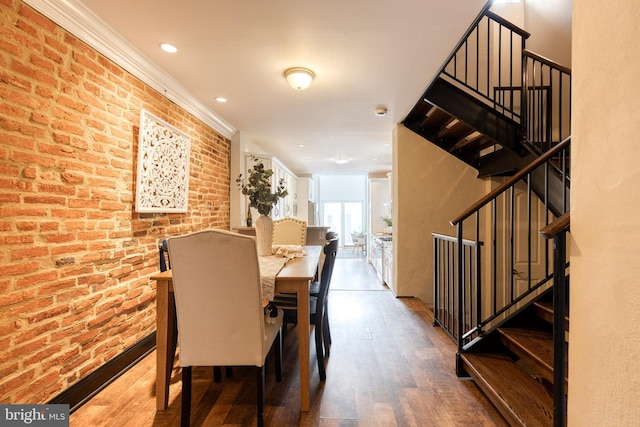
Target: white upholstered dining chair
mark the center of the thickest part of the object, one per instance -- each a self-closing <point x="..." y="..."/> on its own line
<point x="289" y="231"/>
<point x="221" y="321"/>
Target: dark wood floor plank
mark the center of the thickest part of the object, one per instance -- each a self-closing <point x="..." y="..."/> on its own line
<point x="388" y="367"/>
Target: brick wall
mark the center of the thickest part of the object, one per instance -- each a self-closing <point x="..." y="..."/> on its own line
<point x="75" y="258"/>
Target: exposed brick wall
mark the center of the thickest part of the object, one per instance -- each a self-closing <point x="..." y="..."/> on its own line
<point x="75" y="258"/>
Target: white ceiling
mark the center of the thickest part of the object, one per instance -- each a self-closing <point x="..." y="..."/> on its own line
<point x="365" y="53"/>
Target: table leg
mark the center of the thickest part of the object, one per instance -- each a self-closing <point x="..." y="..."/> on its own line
<point x="304" y="326"/>
<point x="165" y="307"/>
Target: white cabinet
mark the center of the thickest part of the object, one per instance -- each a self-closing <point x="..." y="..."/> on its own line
<point x="378" y="204"/>
<point x="387" y="265"/>
<point x="305" y="189"/>
<point x="286" y="206"/>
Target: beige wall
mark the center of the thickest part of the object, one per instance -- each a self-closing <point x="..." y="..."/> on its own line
<point x="548" y="22"/>
<point x="605" y="294"/>
<point x="430" y="187"/>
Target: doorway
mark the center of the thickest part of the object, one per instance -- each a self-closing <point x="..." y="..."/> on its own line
<point x="343" y="217"/>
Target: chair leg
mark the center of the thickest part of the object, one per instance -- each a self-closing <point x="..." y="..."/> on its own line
<point x="185" y="415"/>
<point x="278" y="344"/>
<point x="326" y="335"/>
<point x="260" y="402"/>
<point x="217" y="374"/>
<point x="319" y="352"/>
<point x="174" y="340"/>
<point x="326" y="318"/>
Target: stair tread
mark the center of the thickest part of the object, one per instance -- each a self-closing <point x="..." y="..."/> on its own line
<point x="519" y="397"/>
<point x="546" y="312"/>
<point x="531" y="343"/>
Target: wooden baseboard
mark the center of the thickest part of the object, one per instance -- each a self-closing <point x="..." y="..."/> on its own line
<point x="87" y="387"/>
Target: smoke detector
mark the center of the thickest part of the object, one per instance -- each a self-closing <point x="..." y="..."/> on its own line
<point x="380" y="111"/>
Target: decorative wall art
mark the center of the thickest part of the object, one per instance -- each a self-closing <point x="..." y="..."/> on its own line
<point x="163" y="166"/>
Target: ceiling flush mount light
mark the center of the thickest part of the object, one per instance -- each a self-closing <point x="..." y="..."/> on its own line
<point x="299" y="78"/>
<point x="341" y="161"/>
<point x="168" y="47"/>
<point x="221" y="99"/>
<point x="380" y="111"/>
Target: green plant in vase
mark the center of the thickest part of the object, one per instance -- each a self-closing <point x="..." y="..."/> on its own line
<point x="258" y="188"/>
<point x="389" y="221"/>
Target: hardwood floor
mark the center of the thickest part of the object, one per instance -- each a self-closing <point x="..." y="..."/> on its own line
<point x="388" y="367"/>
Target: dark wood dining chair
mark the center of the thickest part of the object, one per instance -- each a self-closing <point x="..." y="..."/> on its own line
<point x="221" y="320"/>
<point x="318" y="306"/>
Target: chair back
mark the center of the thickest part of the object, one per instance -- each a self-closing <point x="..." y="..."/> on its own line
<point x="354" y="238"/>
<point x="330" y="252"/>
<point x="218" y="294"/>
<point x="289" y="231"/>
<point x="163" y="250"/>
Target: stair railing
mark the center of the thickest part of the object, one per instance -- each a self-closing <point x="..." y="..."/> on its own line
<point x="445" y="289"/>
<point x="492" y="63"/>
<point x="546" y="103"/>
<point x="557" y="231"/>
<point x="494" y="284"/>
<point x="487" y="62"/>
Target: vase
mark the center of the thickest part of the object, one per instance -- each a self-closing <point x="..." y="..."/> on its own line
<point x="264" y="235"/>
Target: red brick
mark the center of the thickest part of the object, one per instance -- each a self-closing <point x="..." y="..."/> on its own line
<point x="32" y="333"/>
<point x="67" y="163"/>
<point x="49" y="226"/>
<point x="56" y="45"/>
<point x="29" y="172"/>
<point x="49" y="312"/>
<point x="37" y="19"/>
<point x="67" y="213"/>
<point x="43" y="63"/>
<point x="72" y="178"/>
<point x="60" y="250"/>
<point x="18" y="268"/>
<point x="36" y="252"/>
<point x="46" y="278"/>
<point x="9" y="170"/>
<point x="48" y="200"/>
<point x="67" y="127"/>
<point x="34" y="159"/>
<point x="60" y="238"/>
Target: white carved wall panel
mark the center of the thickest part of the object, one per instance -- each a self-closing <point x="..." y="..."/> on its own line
<point x="162" y="183"/>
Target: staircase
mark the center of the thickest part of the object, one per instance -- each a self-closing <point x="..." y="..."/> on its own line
<point x="515" y="369"/>
<point x="500" y="285"/>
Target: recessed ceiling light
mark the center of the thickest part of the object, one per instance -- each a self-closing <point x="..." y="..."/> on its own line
<point x="168" y="47"/>
<point x="221" y="99"/>
<point x="300" y="145"/>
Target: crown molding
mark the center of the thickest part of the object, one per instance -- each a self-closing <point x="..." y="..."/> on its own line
<point x="76" y="18"/>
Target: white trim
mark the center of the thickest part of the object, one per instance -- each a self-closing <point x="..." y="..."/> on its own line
<point x="76" y="18"/>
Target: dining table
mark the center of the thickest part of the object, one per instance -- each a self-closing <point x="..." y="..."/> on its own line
<point x="295" y="277"/>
